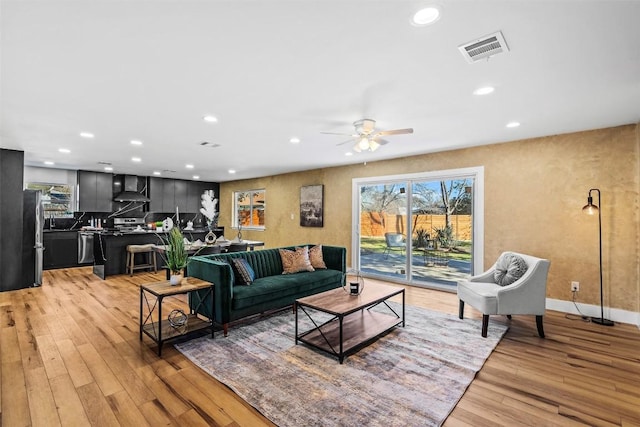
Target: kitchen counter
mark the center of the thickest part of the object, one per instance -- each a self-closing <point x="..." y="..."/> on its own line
<point x="110" y="248"/>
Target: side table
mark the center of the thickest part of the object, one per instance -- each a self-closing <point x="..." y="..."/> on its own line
<point x="160" y="329"/>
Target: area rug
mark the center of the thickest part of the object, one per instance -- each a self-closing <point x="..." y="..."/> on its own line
<point x="413" y="376"/>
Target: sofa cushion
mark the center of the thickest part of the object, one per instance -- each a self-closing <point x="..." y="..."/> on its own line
<point x="315" y="256"/>
<point x="243" y="271"/>
<point x="509" y="268"/>
<point x="282" y="286"/>
<point x="295" y="261"/>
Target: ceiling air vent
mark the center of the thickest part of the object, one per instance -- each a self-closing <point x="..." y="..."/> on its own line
<point x="484" y="47"/>
<point x="209" y="144"/>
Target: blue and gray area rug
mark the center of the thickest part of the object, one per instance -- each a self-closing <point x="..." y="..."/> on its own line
<point x="413" y="376"/>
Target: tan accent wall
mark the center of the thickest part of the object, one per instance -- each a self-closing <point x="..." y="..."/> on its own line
<point x="534" y="193"/>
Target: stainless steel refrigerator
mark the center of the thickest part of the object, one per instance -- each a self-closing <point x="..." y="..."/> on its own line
<point x="32" y="231"/>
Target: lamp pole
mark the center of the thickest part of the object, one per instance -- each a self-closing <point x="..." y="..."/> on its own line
<point x="590" y="209"/>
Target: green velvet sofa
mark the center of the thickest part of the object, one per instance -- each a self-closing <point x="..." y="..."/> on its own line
<point x="271" y="289"/>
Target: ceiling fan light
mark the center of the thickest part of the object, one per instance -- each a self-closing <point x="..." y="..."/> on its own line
<point x="364" y="143"/>
<point x="373" y="145"/>
<point x="357" y="148"/>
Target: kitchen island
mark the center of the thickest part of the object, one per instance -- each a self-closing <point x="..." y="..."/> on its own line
<point x="110" y="247"/>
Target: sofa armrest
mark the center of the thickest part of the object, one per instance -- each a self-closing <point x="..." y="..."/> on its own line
<point x="221" y="275"/>
<point x="335" y="257"/>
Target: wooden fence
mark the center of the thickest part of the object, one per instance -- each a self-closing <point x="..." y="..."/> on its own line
<point x="372" y="224"/>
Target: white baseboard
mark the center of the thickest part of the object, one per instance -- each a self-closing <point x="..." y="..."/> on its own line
<point x="615" y="314"/>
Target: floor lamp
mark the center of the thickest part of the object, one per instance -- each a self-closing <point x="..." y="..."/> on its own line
<point x="591" y="209"/>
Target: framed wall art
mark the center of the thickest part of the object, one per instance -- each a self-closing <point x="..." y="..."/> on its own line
<point x="311" y="205"/>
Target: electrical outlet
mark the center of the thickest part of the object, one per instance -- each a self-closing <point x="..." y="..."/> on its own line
<point x="575" y="286"/>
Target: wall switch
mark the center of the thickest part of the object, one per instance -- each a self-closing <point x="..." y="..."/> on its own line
<point x="575" y="286"/>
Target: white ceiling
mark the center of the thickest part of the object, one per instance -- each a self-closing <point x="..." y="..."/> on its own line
<point x="273" y="70"/>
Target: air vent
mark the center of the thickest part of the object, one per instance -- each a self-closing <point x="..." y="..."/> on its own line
<point x="105" y="163"/>
<point x="484" y="47"/>
<point x="209" y="144"/>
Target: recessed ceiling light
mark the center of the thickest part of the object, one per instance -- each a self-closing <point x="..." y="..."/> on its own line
<point x="49" y="163"/>
<point x="188" y="166"/>
<point x="426" y="16"/>
<point x="156" y="173"/>
<point x="348" y="153"/>
<point x="513" y="124"/>
<point x="210" y="119"/>
<point x="232" y="171"/>
<point x="108" y="168"/>
<point x="64" y="150"/>
<point x="196" y="176"/>
<point x="87" y="135"/>
<point x="136" y="159"/>
<point x="136" y="142"/>
<point x="294" y="140"/>
<point x="484" y="90"/>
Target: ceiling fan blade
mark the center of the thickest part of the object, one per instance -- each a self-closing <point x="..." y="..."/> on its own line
<point x="394" y="132"/>
<point x="381" y="141"/>
<point x="336" y="133"/>
<point x="344" y="142"/>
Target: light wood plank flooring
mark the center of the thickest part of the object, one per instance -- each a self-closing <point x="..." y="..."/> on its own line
<point x="70" y="356"/>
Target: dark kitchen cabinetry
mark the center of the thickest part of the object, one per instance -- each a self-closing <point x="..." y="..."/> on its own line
<point x="95" y="191"/>
<point x="166" y="194"/>
<point x="60" y="249"/>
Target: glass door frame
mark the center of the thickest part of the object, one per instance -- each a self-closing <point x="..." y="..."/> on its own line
<point x="475" y="173"/>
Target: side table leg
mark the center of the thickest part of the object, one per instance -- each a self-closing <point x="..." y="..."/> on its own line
<point x="295" y="310"/>
<point x="141" y="291"/>
<point x="159" y="326"/>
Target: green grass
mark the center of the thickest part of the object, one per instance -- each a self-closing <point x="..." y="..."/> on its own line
<point x="461" y="251"/>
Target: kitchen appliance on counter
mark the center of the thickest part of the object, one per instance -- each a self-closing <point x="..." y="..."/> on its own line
<point x="129" y="225"/>
<point x="32" y="237"/>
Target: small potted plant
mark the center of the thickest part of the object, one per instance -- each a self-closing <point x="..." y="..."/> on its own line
<point x="175" y="255"/>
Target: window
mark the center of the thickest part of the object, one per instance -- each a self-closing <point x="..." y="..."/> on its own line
<point x="436" y="217"/>
<point x="248" y="209"/>
<point x="56" y="199"/>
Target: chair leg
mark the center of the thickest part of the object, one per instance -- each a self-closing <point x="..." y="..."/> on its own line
<point x="461" y="310"/>
<point x="485" y="325"/>
<point x="225" y="328"/>
<point x="131" y="263"/>
<point x="540" y="327"/>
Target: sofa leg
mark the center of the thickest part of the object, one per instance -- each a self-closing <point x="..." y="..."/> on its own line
<point x="540" y="327"/>
<point x="461" y="310"/>
<point x="225" y="328"/>
<point x="509" y="316"/>
<point x="485" y="325"/>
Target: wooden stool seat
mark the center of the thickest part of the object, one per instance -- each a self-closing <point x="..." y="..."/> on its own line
<point x="132" y="250"/>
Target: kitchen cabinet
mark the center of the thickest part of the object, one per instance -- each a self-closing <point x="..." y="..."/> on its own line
<point x="95" y="191"/>
<point x="60" y="249"/>
<point x="166" y="194"/>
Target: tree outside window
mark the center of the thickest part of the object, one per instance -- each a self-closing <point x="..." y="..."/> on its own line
<point x="249" y="209"/>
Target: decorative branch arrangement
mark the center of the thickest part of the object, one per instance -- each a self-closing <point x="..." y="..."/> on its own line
<point x="208" y="209"/>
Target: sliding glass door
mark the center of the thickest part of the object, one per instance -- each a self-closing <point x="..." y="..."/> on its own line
<point x="420" y="229"/>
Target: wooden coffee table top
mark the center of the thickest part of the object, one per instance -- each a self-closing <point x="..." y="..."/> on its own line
<point x="338" y="302"/>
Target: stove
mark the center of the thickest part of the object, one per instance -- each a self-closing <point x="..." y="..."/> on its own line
<point x="128" y="224"/>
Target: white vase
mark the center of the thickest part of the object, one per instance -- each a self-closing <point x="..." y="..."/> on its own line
<point x="175" y="279"/>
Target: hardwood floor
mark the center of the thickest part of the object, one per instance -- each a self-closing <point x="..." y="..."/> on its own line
<point x="71" y="356"/>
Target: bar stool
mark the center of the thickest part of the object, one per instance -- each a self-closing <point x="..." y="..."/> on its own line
<point x="132" y="250"/>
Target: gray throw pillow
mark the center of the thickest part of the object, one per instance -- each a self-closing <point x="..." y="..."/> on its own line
<point x="509" y="268"/>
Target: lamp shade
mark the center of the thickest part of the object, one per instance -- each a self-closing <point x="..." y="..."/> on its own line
<point x="590" y="208"/>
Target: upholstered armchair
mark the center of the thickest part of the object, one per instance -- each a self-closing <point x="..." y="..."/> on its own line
<point x="491" y="293"/>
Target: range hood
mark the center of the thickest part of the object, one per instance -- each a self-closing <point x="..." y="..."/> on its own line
<point x="130" y="193"/>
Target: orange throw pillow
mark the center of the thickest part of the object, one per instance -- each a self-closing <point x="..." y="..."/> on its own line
<point x="295" y="262"/>
<point x="315" y="256"/>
